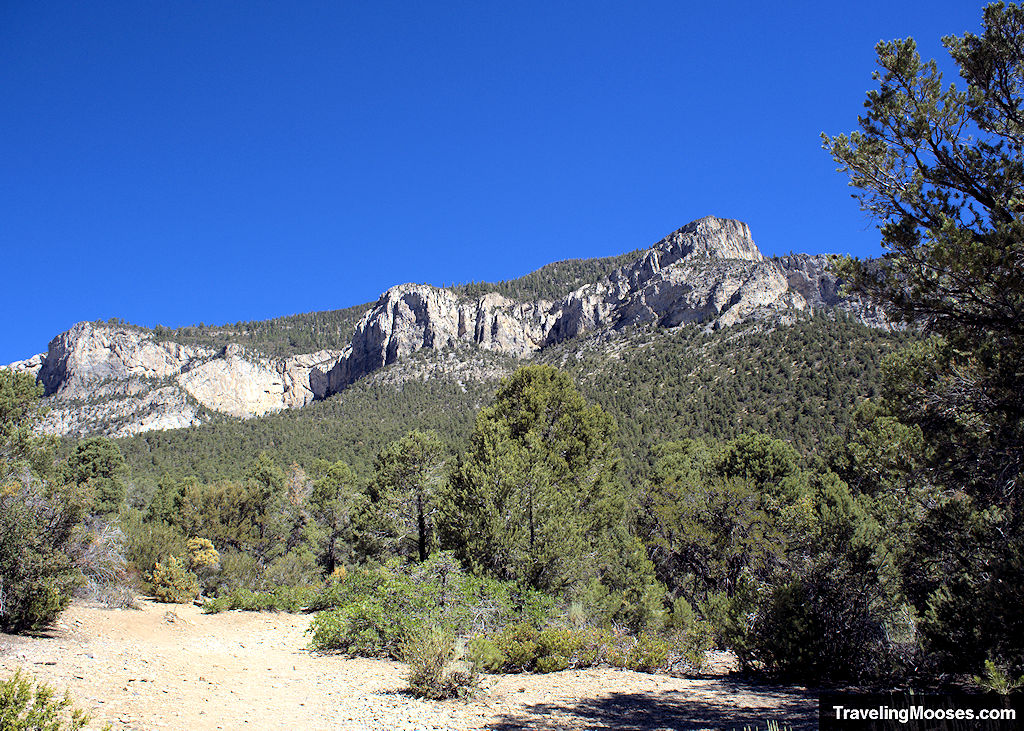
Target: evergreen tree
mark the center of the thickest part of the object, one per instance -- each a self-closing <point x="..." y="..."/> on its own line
<point x="941" y="168"/>
<point x="719" y="517"/>
<point x="266" y="492"/>
<point x="335" y="502"/>
<point x="535" y="498"/>
<point x="407" y="476"/>
<point x="97" y="464"/>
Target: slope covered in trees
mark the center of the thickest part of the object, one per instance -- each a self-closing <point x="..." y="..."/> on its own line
<point x="552" y="281"/>
<point x="278" y="337"/>
<point x="795" y="382"/>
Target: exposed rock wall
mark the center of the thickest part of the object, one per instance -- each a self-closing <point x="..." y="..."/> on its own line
<point x="410" y="316"/>
<point x="238" y="385"/>
<point x="708" y="273"/>
<point x="121" y="380"/>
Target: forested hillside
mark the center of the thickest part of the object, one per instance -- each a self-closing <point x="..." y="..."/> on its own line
<point x="278" y="337"/>
<point x="795" y="382"/>
<point x="552" y="281"/>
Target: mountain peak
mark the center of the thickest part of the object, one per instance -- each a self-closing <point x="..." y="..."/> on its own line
<point x="709" y="273"/>
<point x="713" y="237"/>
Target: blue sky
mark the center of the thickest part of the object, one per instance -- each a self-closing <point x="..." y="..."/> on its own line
<point x="189" y="162"/>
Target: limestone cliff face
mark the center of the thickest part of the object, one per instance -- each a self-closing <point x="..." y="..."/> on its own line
<point x="240" y="385"/>
<point x="708" y="273"/>
<point x="123" y="380"/>
<point x="88" y="352"/>
<point x="409" y="317"/>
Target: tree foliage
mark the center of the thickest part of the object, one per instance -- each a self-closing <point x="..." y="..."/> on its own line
<point x="533" y="497"/>
<point x="719" y="516"/>
<point x="38" y="515"/>
<point x="336" y="502"/>
<point x="97" y="464"/>
<point x="552" y="281"/>
<point x="941" y="169"/>
<point x="407" y="477"/>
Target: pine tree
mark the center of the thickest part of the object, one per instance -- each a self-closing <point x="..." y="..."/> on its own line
<point x="535" y="498"/>
<point x="942" y="170"/>
<point x="407" y="476"/>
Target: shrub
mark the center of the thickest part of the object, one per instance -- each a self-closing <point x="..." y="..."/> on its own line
<point x="682" y="617"/>
<point x="28" y="706"/>
<point x="373" y="611"/>
<point x="429" y="655"/>
<point x="237" y="571"/>
<point x="202" y="556"/>
<point x="281" y="599"/>
<point x="523" y="648"/>
<point x="369" y="627"/>
<point x="637" y="608"/>
<point x="647" y="654"/>
<point x="146" y="543"/>
<point x="295" y="568"/>
<point x="692" y="645"/>
<point x="173" y="583"/>
<point x="99" y="553"/>
<point x="825" y="627"/>
<point x="37" y="574"/>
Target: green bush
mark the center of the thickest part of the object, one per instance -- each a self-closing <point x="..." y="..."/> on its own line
<point x="637" y="608"/>
<point x="524" y="648"/>
<point x="647" y="654"/>
<point x="237" y="571"/>
<point x="147" y="543"/>
<point x="369" y="627"/>
<point x="281" y="599"/>
<point x="173" y="583"/>
<point x="37" y="573"/>
<point x="296" y="568"/>
<point x="693" y="645"/>
<point x="28" y="706"/>
<point x="429" y="655"/>
<point x="373" y="611"/>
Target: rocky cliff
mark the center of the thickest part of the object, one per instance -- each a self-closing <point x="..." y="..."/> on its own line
<point x="122" y="380"/>
<point x="709" y="273"/>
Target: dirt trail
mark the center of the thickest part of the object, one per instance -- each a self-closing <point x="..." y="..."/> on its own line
<point x="171" y="667"/>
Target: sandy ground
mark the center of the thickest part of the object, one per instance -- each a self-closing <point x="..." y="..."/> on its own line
<point x="171" y="667"/>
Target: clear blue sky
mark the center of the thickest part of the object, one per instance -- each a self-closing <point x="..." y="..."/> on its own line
<point x="178" y="162"/>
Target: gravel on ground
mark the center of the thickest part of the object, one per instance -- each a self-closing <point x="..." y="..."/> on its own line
<point x="170" y="667"/>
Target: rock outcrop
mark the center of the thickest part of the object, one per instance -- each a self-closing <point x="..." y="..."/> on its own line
<point x="708" y="273"/>
<point x="238" y="385"/>
<point x="410" y="316"/>
<point x="123" y="380"/>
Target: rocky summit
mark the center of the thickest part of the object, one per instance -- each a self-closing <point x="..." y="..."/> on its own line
<point x="122" y="380"/>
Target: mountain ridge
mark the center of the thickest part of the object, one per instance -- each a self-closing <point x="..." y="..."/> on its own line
<point x="122" y="380"/>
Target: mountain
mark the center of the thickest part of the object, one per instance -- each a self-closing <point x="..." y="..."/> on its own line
<point x="796" y="382"/>
<point x="122" y="380"/>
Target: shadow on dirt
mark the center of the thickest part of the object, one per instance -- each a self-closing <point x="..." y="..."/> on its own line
<point x="733" y="705"/>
